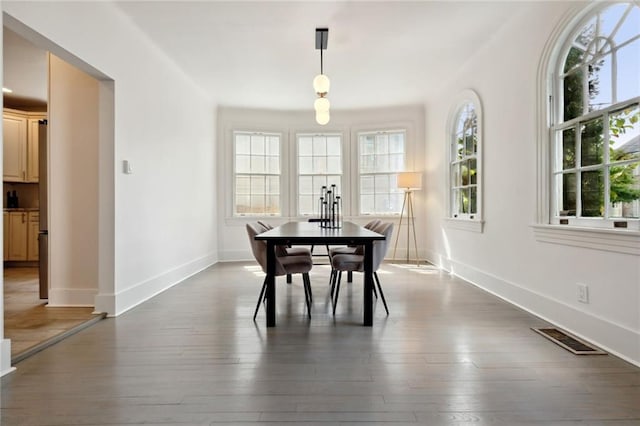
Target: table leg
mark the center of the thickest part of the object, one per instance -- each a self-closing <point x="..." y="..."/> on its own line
<point x="271" y="284"/>
<point x="368" y="284"/>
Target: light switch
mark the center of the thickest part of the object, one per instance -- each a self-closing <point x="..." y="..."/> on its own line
<point x="126" y="167"/>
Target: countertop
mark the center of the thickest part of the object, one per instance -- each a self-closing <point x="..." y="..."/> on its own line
<point x="22" y="209"/>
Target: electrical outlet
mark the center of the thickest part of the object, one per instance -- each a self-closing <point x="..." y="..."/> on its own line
<point x="583" y="293"/>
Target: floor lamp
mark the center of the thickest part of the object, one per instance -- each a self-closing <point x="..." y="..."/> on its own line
<point x="409" y="181"/>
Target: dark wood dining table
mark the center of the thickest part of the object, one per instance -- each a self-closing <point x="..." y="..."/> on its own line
<point x="311" y="233"/>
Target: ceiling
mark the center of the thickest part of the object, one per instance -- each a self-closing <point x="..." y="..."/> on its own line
<point x="262" y="54"/>
<point x="24" y="71"/>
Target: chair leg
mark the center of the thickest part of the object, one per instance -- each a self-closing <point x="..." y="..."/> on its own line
<point x="375" y="275"/>
<point x="332" y="280"/>
<point x="288" y="278"/>
<point x="375" y="293"/>
<point x="307" y="291"/>
<point x="335" y="300"/>
<point x="262" y="293"/>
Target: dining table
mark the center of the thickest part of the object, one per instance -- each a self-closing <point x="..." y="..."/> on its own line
<point x="314" y="233"/>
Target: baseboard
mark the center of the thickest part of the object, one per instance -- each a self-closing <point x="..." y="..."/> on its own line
<point x="5" y="357"/>
<point x="71" y="297"/>
<point x="122" y="301"/>
<point x="236" y="255"/>
<point x="614" y="338"/>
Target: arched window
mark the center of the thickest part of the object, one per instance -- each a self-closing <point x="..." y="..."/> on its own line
<point x="595" y="121"/>
<point x="465" y="165"/>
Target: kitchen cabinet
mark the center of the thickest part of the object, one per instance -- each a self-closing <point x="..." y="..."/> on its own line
<point x="20" y="148"/>
<point x="33" y="229"/>
<point x="5" y="239"/>
<point x="17" y="249"/>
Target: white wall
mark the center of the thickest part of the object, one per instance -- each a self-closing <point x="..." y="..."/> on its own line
<point x="507" y="259"/>
<point x="233" y="242"/>
<point x="164" y="214"/>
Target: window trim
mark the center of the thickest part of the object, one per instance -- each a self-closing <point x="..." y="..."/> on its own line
<point x="607" y="239"/>
<point x="466" y="222"/>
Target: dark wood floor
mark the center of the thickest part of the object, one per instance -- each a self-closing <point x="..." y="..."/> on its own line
<point x="28" y="321"/>
<point x="448" y="354"/>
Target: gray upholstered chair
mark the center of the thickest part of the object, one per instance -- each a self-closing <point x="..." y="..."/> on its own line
<point x="289" y="251"/>
<point x="349" y="250"/>
<point x="355" y="262"/>
<point x="285" y="264"/>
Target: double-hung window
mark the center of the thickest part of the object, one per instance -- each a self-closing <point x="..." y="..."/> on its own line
<point x="319" y="164"/>
<point x="256" y="173"/>
<point x="595" y="130"/>
<point x="381" y="158"/>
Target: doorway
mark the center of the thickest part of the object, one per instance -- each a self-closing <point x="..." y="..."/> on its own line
<point x="72" y="260"/>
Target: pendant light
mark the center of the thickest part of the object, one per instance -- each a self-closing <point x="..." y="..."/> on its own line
<point x="321" y="83"/>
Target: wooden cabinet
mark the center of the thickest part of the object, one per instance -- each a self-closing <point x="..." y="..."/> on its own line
<point x="20" y="149"/>
<point x="33" y="229"/>
<point x="17" y="246"/>
<point x="5" y="239"/>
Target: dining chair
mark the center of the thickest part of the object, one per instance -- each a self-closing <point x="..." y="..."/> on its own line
<point x="349" y="250"/>
<point x="288" y="251"/>
<point x="285" y="264"/>
<point x="355" y="262"/>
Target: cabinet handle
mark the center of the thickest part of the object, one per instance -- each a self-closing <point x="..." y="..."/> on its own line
<point x="23" y="215"/>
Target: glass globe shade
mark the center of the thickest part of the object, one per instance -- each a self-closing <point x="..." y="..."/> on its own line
<point x="322" y="117"/>
<point x="321" y="83"/>
<point x="321" y="104"/>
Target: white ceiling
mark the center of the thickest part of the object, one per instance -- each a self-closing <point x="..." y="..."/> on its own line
<point x="262" y="54"/>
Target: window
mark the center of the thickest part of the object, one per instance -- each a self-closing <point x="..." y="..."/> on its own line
<point x="256" y="173"/>
<point x="382" y="156"/>
<point x="595" y="130"/>
<point x="464" y="147"/>
<point x="319" y="164"/>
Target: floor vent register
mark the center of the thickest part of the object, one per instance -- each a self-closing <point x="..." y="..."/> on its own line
<point x="570" y="343"/>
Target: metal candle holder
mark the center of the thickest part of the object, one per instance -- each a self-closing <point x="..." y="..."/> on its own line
<point x="330" y="208"/>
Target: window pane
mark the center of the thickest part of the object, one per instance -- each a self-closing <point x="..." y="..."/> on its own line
<point x="366" y="185"/>
<point x="307" y="205"/>
<point x="334" y="146"/>
<point x="472" y="171"/>
<point x="257" y="204"/>
<point x="243" y="164"/>
<point x="257" y="185"/>
<point x="568" y="193"/>
<point x="382" y="144"/>
<point x="624" y="134"/>
<point x="305" y="145"/>
<point x="366" y="203"/>
<point x="257" y="164"/>
<point x="272" y="204"/>
<point x="464" y="201"/>
<point x="395" y="201"/>
<point x="628" y="69"/>
<point x="573" y="94"/>
<point x="243" y="185"/>
<point x="592" y="193"/>
<point x="629" y="27"/>
<point x="335" y="180"/>
<point x="318" y="183"/>
<point x="367" y="145"/>
<point x="257" y="145"/>
<point x="591" y="143"/>
<point x="382" y="163"/>
<point x="473" y="201"/>
<point x="305" y="185"/>
<point x="456" y="178"/>
<point x="320" y="165"/>
<point x="382" y="183"/>
<point x="396" y="143"/>
<point x="624" y="193"/>
<point x="459" y="147"/>
<point x="396" y="162"/>
<point x="243" y="144"/>
<point x="273" y="146"/>
<point x="273" y="185"/>
<point x="600" y="95"/>
<point x="464" y="172"/>
<point x="455" y="201"/>
<point x="273" y="165"/>
<point x="334" y="165"/>
<point x="382" y="203"/>
<point x="319" y="145"/>
<point x="366" y="163"/>
<point x="243" y="204"/>
<point x="569" y="148"/>
<point x="305" y="165"/>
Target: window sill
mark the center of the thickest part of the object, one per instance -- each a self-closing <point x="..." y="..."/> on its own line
<point x="465" y="224"/>
<point x="614" y="240"/>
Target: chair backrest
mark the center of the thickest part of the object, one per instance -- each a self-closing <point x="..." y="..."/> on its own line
<point x="380" y="247"/>
<point x="267" y="226"/>
<point x="258" y="248"/>
<point x="373" y="224"/>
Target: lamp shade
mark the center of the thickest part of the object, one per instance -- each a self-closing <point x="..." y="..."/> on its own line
<point x="322" y="117"/>
<point x="410" y="180"/>
<point x="321" y="104"/>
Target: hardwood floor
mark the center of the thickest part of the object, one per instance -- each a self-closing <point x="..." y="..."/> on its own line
<point x="28" y="322"/>
<point x="448" y="354"/>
